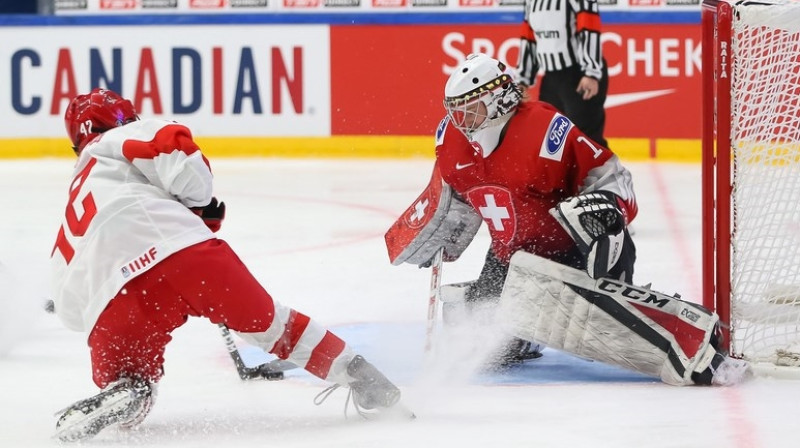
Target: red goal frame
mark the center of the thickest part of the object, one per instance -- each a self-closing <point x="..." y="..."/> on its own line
<point x="716" y="18"/>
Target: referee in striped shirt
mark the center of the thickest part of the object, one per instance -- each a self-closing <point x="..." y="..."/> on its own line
<point x="563" y="38"/>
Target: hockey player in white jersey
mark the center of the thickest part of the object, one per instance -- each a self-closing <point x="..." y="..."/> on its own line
<point x="136" y="256"/>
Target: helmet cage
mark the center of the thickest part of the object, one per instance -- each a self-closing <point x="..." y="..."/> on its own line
<point x="498" y="96"/>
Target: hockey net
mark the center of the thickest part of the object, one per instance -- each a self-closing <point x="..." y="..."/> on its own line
<point x="751" y="177"/>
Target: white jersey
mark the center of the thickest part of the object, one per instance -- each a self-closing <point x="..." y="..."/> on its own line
<point x="128" y="209"/>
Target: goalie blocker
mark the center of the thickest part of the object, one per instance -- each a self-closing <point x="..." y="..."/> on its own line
<point x="614" y="322"/>
<point x="436" y="219"/>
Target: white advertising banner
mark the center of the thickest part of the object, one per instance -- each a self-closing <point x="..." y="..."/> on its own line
<point x="72" y="7"/>
<point x="159" y="6"/>
<point x="234" y="80"/>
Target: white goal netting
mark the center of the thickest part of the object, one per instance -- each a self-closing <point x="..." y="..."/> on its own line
<point x="765" y="145"/>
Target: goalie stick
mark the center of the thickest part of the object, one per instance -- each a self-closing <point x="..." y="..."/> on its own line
<point x="434" y="299"/>
<point x="272" y="370"/>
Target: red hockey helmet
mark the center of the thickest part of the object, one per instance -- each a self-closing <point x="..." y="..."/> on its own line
<point x="92" y="114"/>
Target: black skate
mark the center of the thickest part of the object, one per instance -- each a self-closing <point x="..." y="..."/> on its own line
<point x="514" y="352"/>
<point x="723" y="371"/>
<point x="125" y="402"/>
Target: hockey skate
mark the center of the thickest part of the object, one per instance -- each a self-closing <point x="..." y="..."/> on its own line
<point x="731" y="371"/>
<point x="372" y="394"/>
<point x="124" y="403"/>
<point x="371" y="390"/>
<point x="516" y="351"/>
<point x="723" y="371"/>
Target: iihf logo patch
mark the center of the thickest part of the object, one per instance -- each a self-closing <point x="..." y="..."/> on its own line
<point x="140" y="263"/>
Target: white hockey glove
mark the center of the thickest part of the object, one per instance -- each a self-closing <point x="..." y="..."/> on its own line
<point x="597" y="225"/>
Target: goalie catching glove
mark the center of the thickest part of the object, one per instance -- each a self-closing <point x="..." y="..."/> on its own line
<point x="597" y="225"/>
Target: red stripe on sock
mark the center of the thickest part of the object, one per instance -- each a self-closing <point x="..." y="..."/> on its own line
<point x="323" y="355"/>
<point x="295" y="327"/>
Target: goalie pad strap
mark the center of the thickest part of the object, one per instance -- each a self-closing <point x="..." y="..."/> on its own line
<point x="607" y="320"/>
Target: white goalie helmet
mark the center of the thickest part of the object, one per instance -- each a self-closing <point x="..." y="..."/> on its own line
<point x="480" y="94"/>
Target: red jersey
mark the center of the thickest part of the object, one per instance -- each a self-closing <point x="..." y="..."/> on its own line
<point x="542" y="160"/>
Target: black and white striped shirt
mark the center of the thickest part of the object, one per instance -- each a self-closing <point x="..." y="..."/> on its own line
<point x="557" y="34"/>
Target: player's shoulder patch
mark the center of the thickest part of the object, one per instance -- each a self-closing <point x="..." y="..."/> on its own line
<point x="556" y="137"/>
<point x="440" y="131"/>
<point x="153" y="137"/>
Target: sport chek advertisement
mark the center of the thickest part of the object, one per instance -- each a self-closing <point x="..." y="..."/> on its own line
<point x="395" y="84"/>
<point x="237" y="80"/>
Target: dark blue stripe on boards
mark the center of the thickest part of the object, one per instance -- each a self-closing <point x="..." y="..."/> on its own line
<point x="383" y="18"/>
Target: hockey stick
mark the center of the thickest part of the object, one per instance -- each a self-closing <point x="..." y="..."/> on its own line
<point x="434" y="299"/>
<point x="272" y="370"/>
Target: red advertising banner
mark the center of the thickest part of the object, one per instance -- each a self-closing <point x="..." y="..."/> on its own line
<point x="394" y="84"/>
<point x="117" y="4"/>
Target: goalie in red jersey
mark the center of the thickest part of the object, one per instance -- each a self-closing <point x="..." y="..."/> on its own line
<point x="545" y="190"/>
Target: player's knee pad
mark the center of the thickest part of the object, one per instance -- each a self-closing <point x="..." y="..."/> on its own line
<point x="454" y="305"/>
<point x="461" y="304"/>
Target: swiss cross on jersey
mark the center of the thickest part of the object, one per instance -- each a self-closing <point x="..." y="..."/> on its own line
<point x="497" y="209"/>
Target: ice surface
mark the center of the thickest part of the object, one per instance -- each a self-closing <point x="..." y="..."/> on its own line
<point x="312" y="232"/>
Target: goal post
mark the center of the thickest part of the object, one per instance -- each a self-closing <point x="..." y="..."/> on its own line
<point x="751" y="176"/>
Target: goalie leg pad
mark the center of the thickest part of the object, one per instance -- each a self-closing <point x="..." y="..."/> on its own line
<point x="607" y="320"/>
<point x="454" y="304"/>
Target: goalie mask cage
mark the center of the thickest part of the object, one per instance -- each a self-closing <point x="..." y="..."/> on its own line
<point x="751" y="178"/>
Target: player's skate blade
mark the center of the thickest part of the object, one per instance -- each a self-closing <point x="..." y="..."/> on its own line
<point x="372" y="391"/>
